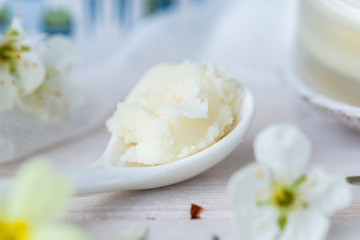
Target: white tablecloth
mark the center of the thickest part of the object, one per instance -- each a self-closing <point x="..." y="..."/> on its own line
<point x="252" y="37"/>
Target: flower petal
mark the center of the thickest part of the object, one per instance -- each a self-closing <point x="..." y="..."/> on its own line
<point x="53" y="100"/>
<point x="7" y="91"/>
<point x="309" y="225"/>
<point x="246" y="185"/>
<point x="38" y="195"/>
<point x="256" y="223"/>
<point x="247" y="189"/>
<point x="282" y="147"/>
<point x="327" y="193"/>
<point x="59" y="232"/>
<point x="15" y="30"/>
<point x="16" y="25"/>
<point x="60" y="55"/>
<point x="30" y="72"/>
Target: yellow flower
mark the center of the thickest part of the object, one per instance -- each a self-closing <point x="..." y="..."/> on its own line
<point x="36" y="200"/>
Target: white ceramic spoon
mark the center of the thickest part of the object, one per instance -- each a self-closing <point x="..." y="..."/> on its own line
<point x="100" y="177"/>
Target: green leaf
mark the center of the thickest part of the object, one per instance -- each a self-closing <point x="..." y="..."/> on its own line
<point x="12" y="33"/>
<point x="300" y="180"/>
<point x="13" y="68"/>
<point x="25" y="48"/>
<point x="282" y="221"/>
<point x="263" y="203"/>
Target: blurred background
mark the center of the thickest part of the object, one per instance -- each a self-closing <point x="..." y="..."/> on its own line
<point x="117" y="40"/>
<point x="96" y="26"/>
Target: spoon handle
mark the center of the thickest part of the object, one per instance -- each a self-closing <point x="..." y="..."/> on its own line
<point x="99" y="179"/>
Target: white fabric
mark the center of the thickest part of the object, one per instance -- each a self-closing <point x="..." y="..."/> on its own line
<point x="107" y="81"/>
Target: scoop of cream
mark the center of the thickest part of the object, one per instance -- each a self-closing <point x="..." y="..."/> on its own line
<point x="173" y="112"/>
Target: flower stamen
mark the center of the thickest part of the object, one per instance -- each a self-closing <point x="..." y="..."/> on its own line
<point x="283" y="197"/>
<point x="260" y="174"/>
<point x="286" y="198"/>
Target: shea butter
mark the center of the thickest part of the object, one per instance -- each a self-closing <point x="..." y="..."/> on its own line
<point x="175" y="111"/>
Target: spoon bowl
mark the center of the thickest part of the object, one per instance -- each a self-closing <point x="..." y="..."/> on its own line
<point x="101" y="177"/>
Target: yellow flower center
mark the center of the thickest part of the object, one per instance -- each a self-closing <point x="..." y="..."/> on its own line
<point x="9" y="54"/>
<point x="10" y="51"/>
<point x="283" y="197"/>
<point x="286" y="198"/>
<point x="14" y="231"/>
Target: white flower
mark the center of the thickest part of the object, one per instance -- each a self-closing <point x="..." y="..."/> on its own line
<point x="38" y="81"/>
<point x="21" y="69"/>
<point x="59" y="55"/>
<point x="36" y="200"/>
<point x="274" y="199"/>
<point x="57" y="95"/>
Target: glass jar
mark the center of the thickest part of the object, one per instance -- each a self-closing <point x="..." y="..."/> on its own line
<point x="328" y="48"/>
